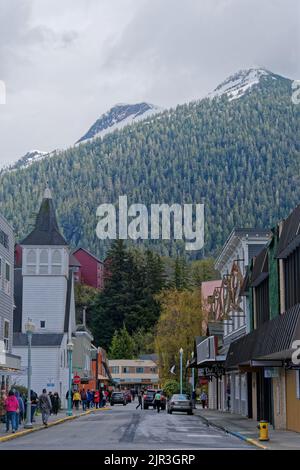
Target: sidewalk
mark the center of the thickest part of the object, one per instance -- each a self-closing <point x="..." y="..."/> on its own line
<point x="54" y="420"/>
<point x="246" y="429"/>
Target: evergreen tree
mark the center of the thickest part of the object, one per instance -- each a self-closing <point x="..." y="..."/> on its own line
<point x="122" y="345"/>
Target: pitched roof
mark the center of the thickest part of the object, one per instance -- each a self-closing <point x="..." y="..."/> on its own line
<point x="290" y="235"/>
<point x="46" y="231"/>
<point x="38" y="339"/>
<point x="234" y="238"/>
<point x="87" y="252"/>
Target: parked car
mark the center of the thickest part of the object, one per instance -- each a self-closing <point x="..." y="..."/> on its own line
<point x="118" y="398"/>
<point x="149" y="399"/>
<point x="180" y="403"/>
<point x="128" y="396"/>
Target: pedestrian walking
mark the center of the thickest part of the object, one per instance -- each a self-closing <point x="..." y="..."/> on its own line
<point x="12" y="410"/>
<point x="157" y="401"/>
<point x="96" y="398"/>
<point x="76" y="399"/>
<point x="51" y="396"/>
<point x="203" y="399"/>
<point x="45" y="406"/>
<point x="88" y="398"/>
<point x="140" y="400"/>
<point x="72" y="396"/>
<point x="34" y="403"/>
<point x="21" y="414"/>
<point x="2" y="406"/>
<point x="92" y="398"/>
<point x="194" y="398"/>
<point x="56" y="403"/>
<point x="83" y="396"/>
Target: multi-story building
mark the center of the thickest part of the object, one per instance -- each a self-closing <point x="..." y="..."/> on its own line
<point x="9" y="363"/>
<point x="269" y="351"/>
<point x="136" y="373"/>
<point x="229" y="390"/>
<point x="90" y="269"/>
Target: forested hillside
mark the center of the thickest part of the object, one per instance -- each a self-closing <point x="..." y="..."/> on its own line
<point x="242" y="156"/>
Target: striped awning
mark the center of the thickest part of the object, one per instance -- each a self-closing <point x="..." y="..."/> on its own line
<point x="272" y="340"/>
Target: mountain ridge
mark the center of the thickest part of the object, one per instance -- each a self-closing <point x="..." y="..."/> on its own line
<point x="234" y="86"/>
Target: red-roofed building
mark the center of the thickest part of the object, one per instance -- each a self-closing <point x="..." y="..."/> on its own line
<point x="91" y="269"/>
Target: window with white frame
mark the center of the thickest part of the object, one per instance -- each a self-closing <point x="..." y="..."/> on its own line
<point x="7" y="280"/>
<point x="56" y="262"/>
<point x="43" y="262"/>
<point x="115" y="369"/>
<point x="31" y="262"/>
<point x="6" y="334"/>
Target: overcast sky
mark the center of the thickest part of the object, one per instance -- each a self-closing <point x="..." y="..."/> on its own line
<point x="65" y="62"/>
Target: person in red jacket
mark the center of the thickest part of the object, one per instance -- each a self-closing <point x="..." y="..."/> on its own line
<point x="12" y="410"/>
<point x="97" y="398"/>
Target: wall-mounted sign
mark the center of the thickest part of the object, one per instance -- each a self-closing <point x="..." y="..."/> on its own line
<point x="271" y="372"/>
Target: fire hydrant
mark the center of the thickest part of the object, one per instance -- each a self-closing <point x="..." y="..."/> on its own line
<point x="263" y="430"/>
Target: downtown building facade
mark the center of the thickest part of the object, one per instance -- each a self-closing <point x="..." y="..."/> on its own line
<point x="134" y="373"/>
<point x="254" y="371"/>
<point x="228" y="321"/>
<point x="10" y="363"/>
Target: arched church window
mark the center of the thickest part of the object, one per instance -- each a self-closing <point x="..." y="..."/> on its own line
<point x="43" y="262"/>
<point x="56" y="262"/>
<point x="31" y="262"/>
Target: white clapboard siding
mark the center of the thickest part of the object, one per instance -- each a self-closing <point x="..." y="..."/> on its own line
<point x="44" y="298"/>
<point x="46" y="368"/>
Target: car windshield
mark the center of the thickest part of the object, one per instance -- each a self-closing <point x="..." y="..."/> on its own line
<point x="180" y="397"/>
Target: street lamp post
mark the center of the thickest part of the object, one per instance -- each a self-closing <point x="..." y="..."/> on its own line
<point x="181" y="353"/>
<point x="70" y="352"/>
<point x="30" y="329"/>
<point x="193" y="374"/>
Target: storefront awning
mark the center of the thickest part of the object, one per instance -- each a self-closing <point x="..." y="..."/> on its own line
<point x="271" y="341"/>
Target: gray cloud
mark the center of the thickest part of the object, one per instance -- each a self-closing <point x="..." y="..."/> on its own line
<point x="64" y="63"/>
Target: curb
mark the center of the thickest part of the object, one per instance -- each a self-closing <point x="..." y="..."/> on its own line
<point x="234" y="433"/>
<point x="53" y="423"/>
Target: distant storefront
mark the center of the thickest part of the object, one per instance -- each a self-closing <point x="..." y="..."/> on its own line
<point x="134" y="373"/>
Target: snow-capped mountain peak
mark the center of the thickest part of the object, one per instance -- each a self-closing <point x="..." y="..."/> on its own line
<point x="239" y="83"/>
<point x="119" y="116"/>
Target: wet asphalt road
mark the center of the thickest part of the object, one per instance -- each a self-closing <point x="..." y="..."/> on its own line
<point x="123" y="428"/>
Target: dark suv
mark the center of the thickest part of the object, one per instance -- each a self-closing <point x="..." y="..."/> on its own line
<point x="118" y="398"/>
<point x="149" y="399"/>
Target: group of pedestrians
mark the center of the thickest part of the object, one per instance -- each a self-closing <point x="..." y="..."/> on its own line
<point x="89" y="398"/>
<point x="13" y="407"/>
